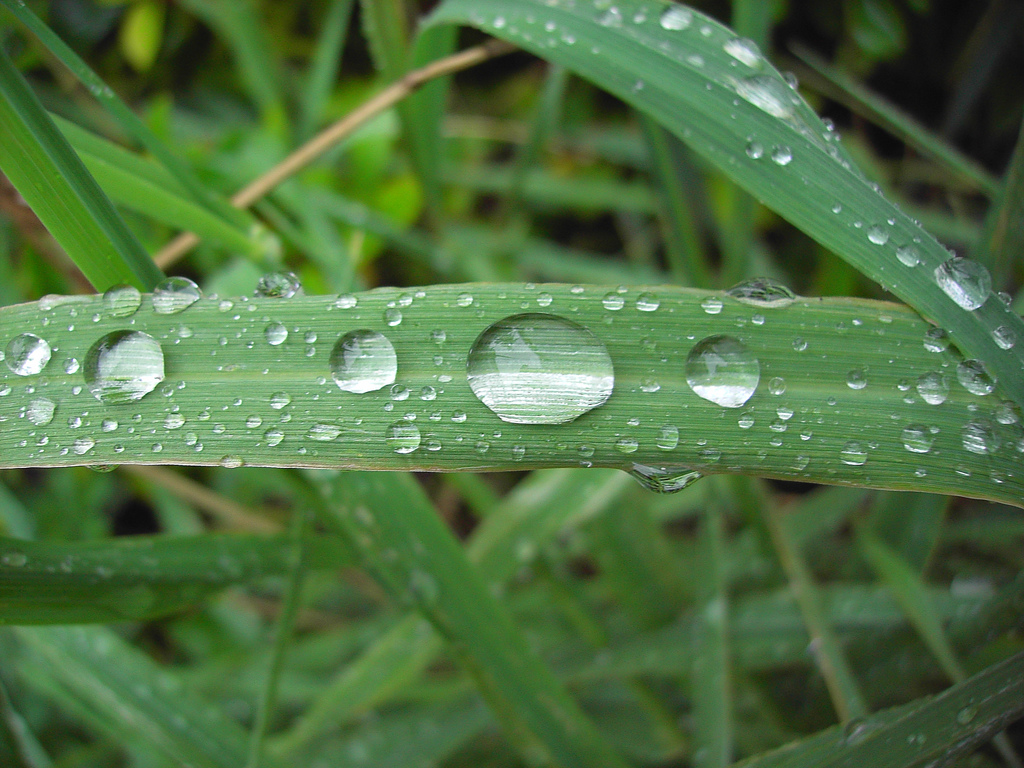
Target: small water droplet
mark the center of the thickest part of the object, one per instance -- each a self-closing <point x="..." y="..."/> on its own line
<point x="908" y="255"/>
<point x="853" y="453"/>
<point x="363" y="361"/>
<point x="544" y="300"/>
<point x="273" y="437"/>
<point x="770" y="95"/>
<point x="279" y="400"/>
<point x="743" y="50"/>
<point x="613" y="302"/>
<point x="122" y="300"/>
<point x="464" y="300"/>
<point x="403" y="437"/>
<point x="932" y="388"/>
<point x="392" y="316"/>
<point x="174" y="421"/>
<point x="231" y="462"/>
<point x="40" y="411"/>
<point x="1005" y="337"/>
<point x="27" y="354"/>
<point x="799" y="344"/>
<point x="877" y="235"/>
<point x="627" y="445"/>
<point x="966" y="282"/>
<point x="346" y="301"/>
<point x="762" y="292"/>
<point x="668" y="437"/>
<point x="275" y="334"/>
<point x="746" y="420"/>
<point x="856" y="379"/>
<point x="324" y="433"/>
<point x="14" y="559"/>
<point x="712" y="305"/>
<point x="782" y="155"/>
<point x="124" y="366"/>
<point x="936" y="340"/>
<point x="278" y="285"/>
<point x="675" y="18"/>
<point x="722" y="370"/>
<point x="518" y="452"/>
<point x="83" y="445"/>
<point x="967" y="714"/>
<point x="777" y="386"/>
<point x="174" y="295"/>
<point x="539" y="369"/>
<point x="917" y="438"/>
<point x="974" y="377"/>
<point x="754" y="150"/>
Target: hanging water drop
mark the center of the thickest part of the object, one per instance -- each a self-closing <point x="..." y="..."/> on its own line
<point x="664" y="479"/>
<point x="363" y="361"/>
<point x="27" y="354"/>
<point x="966" y="282"/>
<point x="722" y="370"/>
<point x="539" y="369"/>
<point x="174" y="295"/>
<point x="124" y="366"/>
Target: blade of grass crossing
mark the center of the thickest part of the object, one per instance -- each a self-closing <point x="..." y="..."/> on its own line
<point x="48" y="174"/>
<point x="910" y="524"/>
<point x="710" y="674"/>
<point x="842" y="685"/>
<point x="323" y="67"/>
<point x="432" y="572"/>
<point x="755" y="129"/>
<point x="124" y="116"/>
<point x="282" y="635"/>
<point x="1002" y="240"/>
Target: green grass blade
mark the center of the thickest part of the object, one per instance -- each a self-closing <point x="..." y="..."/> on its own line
<point x="909" y="590"/>
<point x="49" y="582"/>
<point x="45" y="170"/>
<point x="794" y="165"/>
<point x="828" y="432"/>
<point x="126" y="694"/>
<point x="1003" y="237"/>
<point x="323" y="67"/>
<point x="847" y="91"/>
<point x="956" y="721"/>
<point x="389" y="513"/>
<point x="910" y="524"/>
<point x="146" y="188"/>
<point x="124" y="115"/>
<point x="18" y="748"/>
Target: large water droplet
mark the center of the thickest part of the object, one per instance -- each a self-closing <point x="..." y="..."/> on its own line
<point x="613" y="302"/>
<point x="768" y="94"/>
<point x="647" y="302"/>
<point x="40" y="411"/>
<point x="676" y="18"/>
<point x="877" y="235"/>
<point x="668" y="437"/>
<point x="917" y="438"/>
<point x="175" y="294"/>
<point x="539" y="369"/>
<point x="124" y="366"/>
<point x="857" y="379"/>
<point x="664" y="479"/>
<point x="973" y="377"/>
<point x="403" y="437"/>
<point x="762" y="292"/>
<point x="782" y="155"/>
<point x="363" y="361"/>
<point x="275" y="334"/>
<point x="908" y="255"/>
<point x="1005" y="337"/>
<point x="932" y="388"/>
<point x="278" y="285"/>
<point x="721" y="369"/>
<point x="979" y="436"/>
<point x="27" y="354"/>
<point x="966" y="282"/>
<point x="122" y="300"/>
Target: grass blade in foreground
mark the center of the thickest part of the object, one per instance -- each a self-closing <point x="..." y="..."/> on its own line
<point x="406" y="545"/>
<point x="956" y="721"/>
<point x="719" y="95"/>
<point x="809" y="389"/>
<point x="48" y="174"/>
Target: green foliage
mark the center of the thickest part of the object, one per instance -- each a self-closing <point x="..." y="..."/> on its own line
<point x="264" y="607"/>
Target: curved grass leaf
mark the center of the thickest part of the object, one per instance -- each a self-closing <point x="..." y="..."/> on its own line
<point x="46" y="582"/>
<point x="721" y="97"/>
<point x="249" y="381"/>
<point x="48" y="174"/>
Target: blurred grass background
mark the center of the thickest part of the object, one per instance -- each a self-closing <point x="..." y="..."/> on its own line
<point x="673" y="619"/>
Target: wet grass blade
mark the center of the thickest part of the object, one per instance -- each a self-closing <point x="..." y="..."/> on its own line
<point x="137" y="578"/>
<point x="725" y="101"/>
<point x="292" y="413"/>
<point x="118" y="689"/>
<point x="48" y="174"/>
<point x="389" y="513"/>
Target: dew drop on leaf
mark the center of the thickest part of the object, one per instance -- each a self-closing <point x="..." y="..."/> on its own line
<point x="973" y="377"/>
<point x="675" y="18"/>
<point x="124" y="366"/>
<point x="122" y="300"/>
<point x="278" y="285"/>
<point x="762" y="292"/>
<point x="363" y="361"/>
<point x="966" y="282"/>
<point x="174" y="295"/>
<point x="722" y="370"/>
<point x="27" y="354"/>
<point x="932" y="388"/>
<point x="743" y="50"/>
<point x="853" y="453"/>
<point x="40" y="411"/>
<point x="275" y="334"/>
<point x="403" y="437"/>
<point x="917" y="438"/>
<point x="539" y="369"/>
